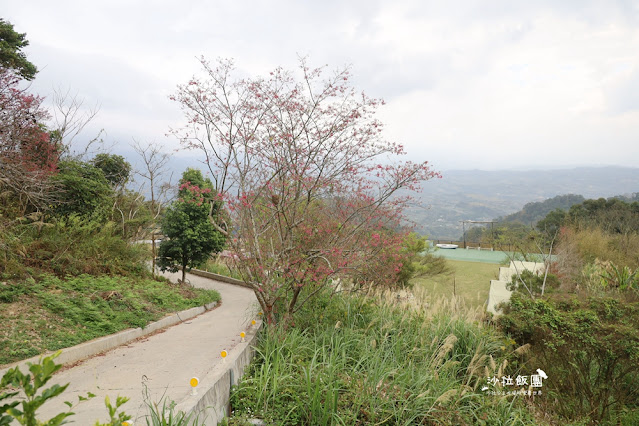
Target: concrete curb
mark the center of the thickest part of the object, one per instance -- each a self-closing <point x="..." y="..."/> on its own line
<point x="211" y="404"/>
<point x="106" y="343"/>
<point x="218" y="277"/>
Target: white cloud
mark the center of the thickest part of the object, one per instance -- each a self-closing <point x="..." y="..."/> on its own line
<point x="495" y="84"/>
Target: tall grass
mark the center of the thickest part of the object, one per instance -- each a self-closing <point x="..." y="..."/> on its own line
<point x="369" y="360"/>
<point x="219" y="267"/>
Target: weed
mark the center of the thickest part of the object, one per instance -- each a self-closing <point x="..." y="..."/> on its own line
<point x="162" y="413"/>
<point x="370" y="360"/>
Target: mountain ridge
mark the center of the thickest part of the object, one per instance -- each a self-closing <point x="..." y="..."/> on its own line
<point x="486" y="195"/>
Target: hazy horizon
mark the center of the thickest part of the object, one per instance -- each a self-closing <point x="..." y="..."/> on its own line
<point x="468" y="85"/>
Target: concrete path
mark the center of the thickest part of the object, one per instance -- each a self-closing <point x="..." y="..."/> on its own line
<point x="163" y="362"/>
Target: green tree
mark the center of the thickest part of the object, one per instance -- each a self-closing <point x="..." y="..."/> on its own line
<point x="552" y="223"/>
<point x="613" y="215"/>
<point x="194" y="178"/>
<point x="11" y="56"/>
<point x="84" y="191"/>
<point x="418" y="260"/>
<point x="115" y="168"/>
<point x="535" y="211"/>
<point x="191" y="237"/>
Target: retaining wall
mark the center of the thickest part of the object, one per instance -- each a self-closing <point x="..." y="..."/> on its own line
<point x="211" y="404"/>
<point x="499" y="292"/>
<point x="218" y="277"/>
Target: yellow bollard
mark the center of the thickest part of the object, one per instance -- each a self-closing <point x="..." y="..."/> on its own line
<point x="194" y="382"/>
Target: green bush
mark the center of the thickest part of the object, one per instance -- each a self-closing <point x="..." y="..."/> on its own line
<point x="589" y="350"/>
<point x="29" y="385"/>
<point x="83" y="191"/>
<point x="29" y="388"/>
<point x="528" y="282"/>
<point x="71" y="246"/>
<point x="115" y="168"/>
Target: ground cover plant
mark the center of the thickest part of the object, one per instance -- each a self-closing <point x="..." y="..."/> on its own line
<point x="469" y="281"/>
<point x="50" y="313"/>
<point x="67" y="246"/>
<point x="362" y="360"/>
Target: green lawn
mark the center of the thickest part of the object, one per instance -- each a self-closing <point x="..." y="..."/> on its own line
<point x="471" y="281"/>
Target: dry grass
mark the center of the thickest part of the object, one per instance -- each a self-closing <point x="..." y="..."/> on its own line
<point x="467" y="283"/>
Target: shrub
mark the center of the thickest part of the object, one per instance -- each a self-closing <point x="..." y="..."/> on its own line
<point x="29" y="387"/>
<point x="84" y="191"/>
<point x="589" y="350"/>
<point x="534" y="282"/>
<point x="594" y="243"/>
<point x="71" y="246"/>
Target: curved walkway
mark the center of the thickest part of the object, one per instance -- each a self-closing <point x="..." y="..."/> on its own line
<point x="163" y="362"/>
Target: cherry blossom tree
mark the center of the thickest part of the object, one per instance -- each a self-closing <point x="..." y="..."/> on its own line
<point x="27" y="154"/>
<point x="312" y="188"/>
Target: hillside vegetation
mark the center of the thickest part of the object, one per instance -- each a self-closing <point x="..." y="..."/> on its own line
<point x="533" y="212"/>
<point x="486" y="195"/>
<point x="49" y="313"/>
<point x="70" y="266"/>
<point x="317" y="240"/>
<point x="394" y="359"/>
<point x="616" y="215"/>
<point x="374" y="360"/>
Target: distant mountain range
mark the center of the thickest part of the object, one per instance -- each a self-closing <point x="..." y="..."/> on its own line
<point x="487" y="195"/>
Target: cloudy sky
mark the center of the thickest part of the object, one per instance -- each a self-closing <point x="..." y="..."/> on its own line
<point x="468" y="84"/>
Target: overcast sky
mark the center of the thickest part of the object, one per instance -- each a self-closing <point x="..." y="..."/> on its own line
<point x="468" y="84"/>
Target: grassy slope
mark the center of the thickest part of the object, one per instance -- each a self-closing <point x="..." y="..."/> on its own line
<point x="376" y="362"/>
<point x="53" y="313"/>
<point x="472" y="282"/>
